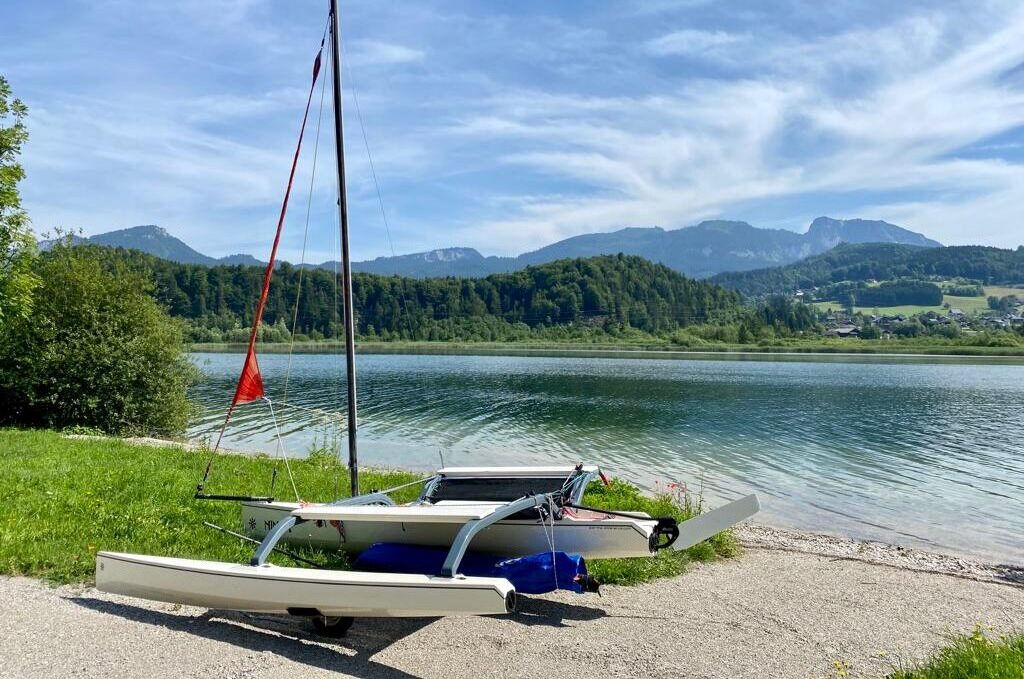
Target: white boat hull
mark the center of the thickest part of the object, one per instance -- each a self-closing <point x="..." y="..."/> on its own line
<point x="299" y="591"/>
<point x="599" y="538"/>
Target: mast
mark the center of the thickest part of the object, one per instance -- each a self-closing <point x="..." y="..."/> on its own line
<point x="346" y="263"/>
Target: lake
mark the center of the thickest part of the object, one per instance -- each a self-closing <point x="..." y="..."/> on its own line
<point x="923" y="453"/>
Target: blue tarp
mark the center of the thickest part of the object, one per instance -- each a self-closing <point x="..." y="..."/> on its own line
<point x="528" y="574"/>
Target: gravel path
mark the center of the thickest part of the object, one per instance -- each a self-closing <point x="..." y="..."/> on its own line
<point x="769" y="613"/>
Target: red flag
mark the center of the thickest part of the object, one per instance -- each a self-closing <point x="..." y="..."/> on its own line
<point x="250" y="384"/>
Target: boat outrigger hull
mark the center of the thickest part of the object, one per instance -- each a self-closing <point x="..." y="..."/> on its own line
<point x="300" y="591"/>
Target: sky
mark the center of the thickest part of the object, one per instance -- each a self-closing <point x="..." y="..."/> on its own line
<point x="507" y="126"/>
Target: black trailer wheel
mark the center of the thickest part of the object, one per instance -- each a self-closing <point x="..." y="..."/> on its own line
<point x="332" y="627"/>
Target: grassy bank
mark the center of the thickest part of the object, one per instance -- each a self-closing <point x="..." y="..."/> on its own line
<point x="972" y="656"/>
<point x="639" y="350"/>
<point x="67" y="498"/>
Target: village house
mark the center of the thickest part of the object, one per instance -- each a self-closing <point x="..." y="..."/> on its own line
<point x="843" y="331"/>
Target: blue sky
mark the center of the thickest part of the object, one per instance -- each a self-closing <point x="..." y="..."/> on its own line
<point x="505" y="126"/>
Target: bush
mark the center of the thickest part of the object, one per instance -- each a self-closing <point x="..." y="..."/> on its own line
<point x="912" y="328"/>
<point x="870" y="332"/>
<point x="1003" y="304"/>
<point x="96" y="351"/>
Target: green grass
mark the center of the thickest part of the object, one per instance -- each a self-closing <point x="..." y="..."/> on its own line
<point x="904" y="309"/>
<point x="972" y="656"/>
<point x="67" y="498"/>
<point x="969" y="305"/>
<point x="1001" y="291"/>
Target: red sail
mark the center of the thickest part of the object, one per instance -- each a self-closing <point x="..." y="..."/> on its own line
<point x="250" y="383"/>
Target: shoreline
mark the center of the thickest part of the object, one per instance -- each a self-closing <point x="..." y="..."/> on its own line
<point x="994" y="354"/>
<point x="874" y="552"/>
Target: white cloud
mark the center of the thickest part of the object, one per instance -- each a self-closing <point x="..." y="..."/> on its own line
<point x="373" y="53"/>
<point x="678" y="157"/>
<point x="692" y="41"/>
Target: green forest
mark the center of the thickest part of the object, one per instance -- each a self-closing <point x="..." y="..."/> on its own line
<point x="596" y="295"/>
<point x="882" y="261"/>
<point x="884" y="294"/>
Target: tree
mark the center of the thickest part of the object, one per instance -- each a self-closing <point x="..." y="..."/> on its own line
<point x="1002" y="304"/>
<point x="870" y="332"/>
<point x="97" y="351"/>
<point x="17" y="244"/>
<point x="743" y="334"/>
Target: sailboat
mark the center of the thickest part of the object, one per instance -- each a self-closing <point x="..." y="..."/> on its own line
<point x="474" y="539"/>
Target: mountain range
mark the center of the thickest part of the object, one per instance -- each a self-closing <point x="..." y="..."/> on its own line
<point x="699" y="251"/>
<point x="156" y="241"/>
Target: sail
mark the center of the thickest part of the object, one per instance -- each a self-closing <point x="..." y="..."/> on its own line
<point x="250" y="382"/>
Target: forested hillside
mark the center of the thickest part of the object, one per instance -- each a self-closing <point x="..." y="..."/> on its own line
<point x="598" y="291"/>
<point x="882" y="261"/>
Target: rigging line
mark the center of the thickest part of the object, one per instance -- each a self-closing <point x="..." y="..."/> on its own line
<point x="388" y="491"/>
<point x="376" y="185"/>
<point x="369" y="158"/>
<point x="305" y="240"/>
<point x="281" y="450"/>
<point x="550" y="538"/>
<point x="326" y="414"/>
<point x="250" y="383"/>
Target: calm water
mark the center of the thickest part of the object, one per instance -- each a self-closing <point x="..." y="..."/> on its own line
<point x="926" y="454"/>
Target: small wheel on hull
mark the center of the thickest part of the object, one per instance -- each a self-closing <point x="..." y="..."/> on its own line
<point x="332" y="627"/>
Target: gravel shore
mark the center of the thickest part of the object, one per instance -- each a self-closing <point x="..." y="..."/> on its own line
<point x="777" y="611"/>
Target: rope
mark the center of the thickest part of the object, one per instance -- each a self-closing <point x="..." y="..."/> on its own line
<point x="388" y="491"/>
<point x="305" y="240"/>
<point x="326" y="414"/>
<point x="302" y="265"/>
<point x="402" y="305"/>
<point x="280" y="449"/>
<point x="250" y="383"/>
<point x="551" y="538"/>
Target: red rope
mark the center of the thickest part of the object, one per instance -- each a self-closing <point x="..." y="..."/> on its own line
<point x="250" y="382"/>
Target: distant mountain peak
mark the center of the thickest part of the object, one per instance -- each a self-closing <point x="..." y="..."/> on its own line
<point x="724" y="226"/>
<point x="145" y="230"/>
<point x="835" y="231"/>
<point x="449" y="254"/>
